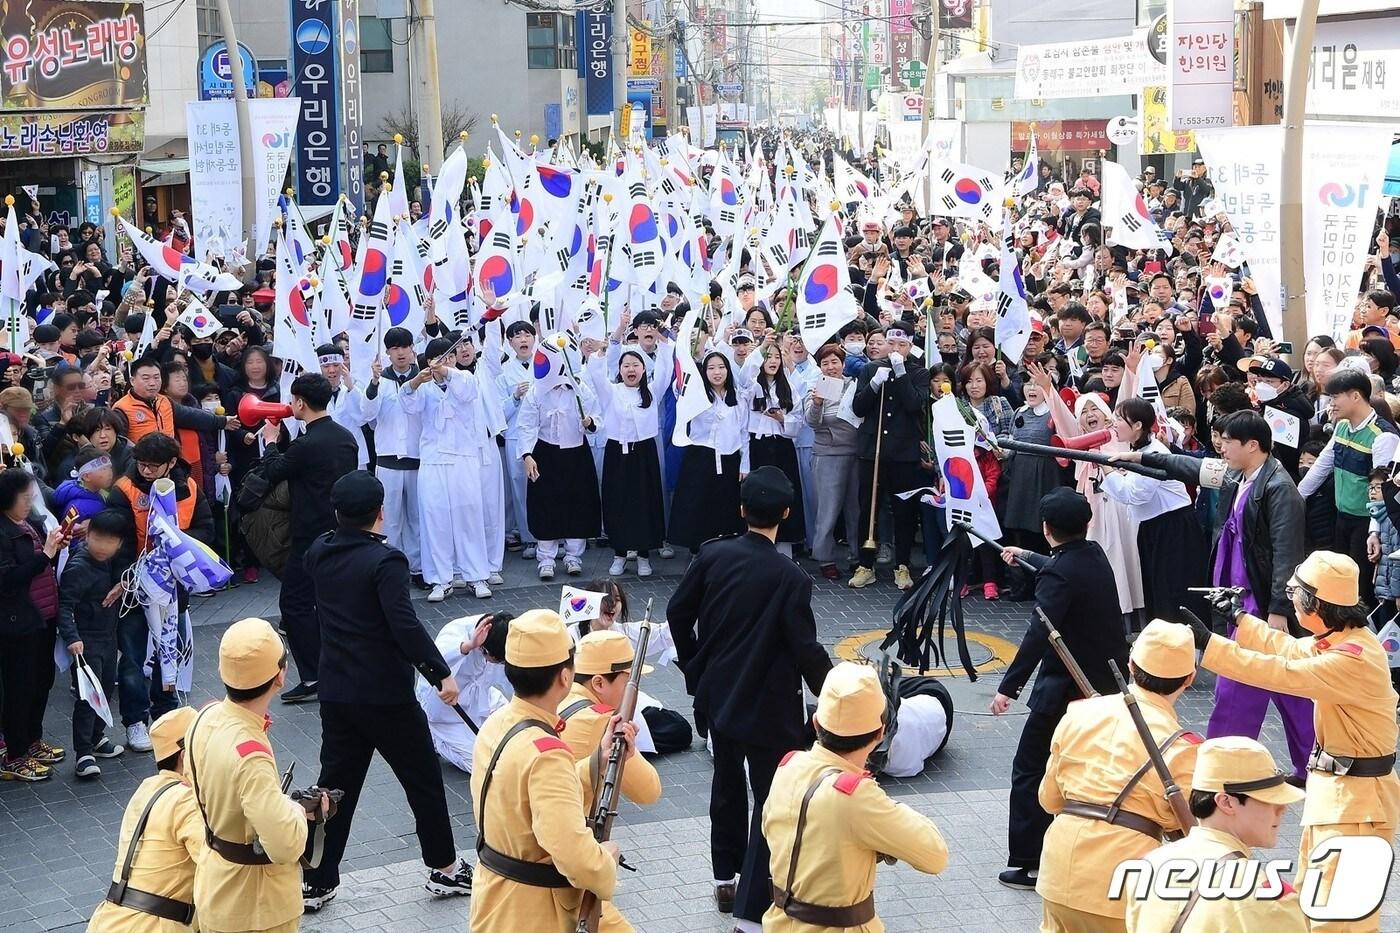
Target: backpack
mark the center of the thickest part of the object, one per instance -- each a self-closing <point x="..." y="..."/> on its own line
<point x="267" y="528"/>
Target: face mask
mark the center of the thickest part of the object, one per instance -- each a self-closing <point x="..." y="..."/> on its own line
<point x="210" y="404"/>
<point x="1265" y="392"/>
<point x="1377" y="509"/>
<point x="1155" y="360"/>
<point x="857" y="349"/>
<point x="202" y="351"/>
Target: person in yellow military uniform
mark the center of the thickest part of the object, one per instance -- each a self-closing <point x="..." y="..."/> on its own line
<point x="1108" y="801"/>
<point x="535" y="855"/>
<point x="162" y="839"/>
<point x="602" y="669"/>
<point x="249" y="880"/>
<point x="1239" y="796"/>
<point x="828" y="822"/>
<point x="1352" y="786"/>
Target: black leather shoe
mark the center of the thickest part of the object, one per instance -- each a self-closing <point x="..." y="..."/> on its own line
<point x="724" y="898"/>
<point x="1019" y="878"/>
<point x="301" y="693"/>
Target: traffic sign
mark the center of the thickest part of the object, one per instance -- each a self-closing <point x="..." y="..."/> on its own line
<point x="215" y="75"/>
<point x="729" y="88"/>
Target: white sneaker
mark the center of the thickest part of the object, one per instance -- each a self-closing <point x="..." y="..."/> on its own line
<point x="481" y="590"/>
<point x="631" y="555"/>
<point x="529" y="552"/>
<point x="667" y="552"/>
<point x="617" y="567"/>
<point x="459" y="582"/>
<point x="496" y="579"/>
<point x="137" y="738"/>
<point x="643" y="567"/>
<point x="573" y="566"/>
<point x="439" y="593"/>
<point x="547" y="571"/>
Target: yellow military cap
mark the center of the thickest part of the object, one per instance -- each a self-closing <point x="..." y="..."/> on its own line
<point x="250" y="654"/>
<point x="168" y="732"/>
<point x="1234" y="764"/>
<point x="537" y="639"/>
<point x="1332" y="576"/>
<point x="851" y="702"/>
<point x="605" y="652"/>
<point x="1165" y="649"/>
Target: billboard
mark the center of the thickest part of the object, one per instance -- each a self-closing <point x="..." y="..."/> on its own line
<point x="351" y="105"/>
<point x="595" y="61"/>
<point x="315" y="48"/>
<point x="77" y="133"/>
<point x="73" y="55"/>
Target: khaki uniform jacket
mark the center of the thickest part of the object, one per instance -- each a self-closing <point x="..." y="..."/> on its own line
<point x="170" y="848"/>
<point x="231" y="764"/>
<point x="584" y="732"/>
<point x="534" y="812"/>
<point x="1095" y="751"/>
<point x="850" y="822"/>
<point x="1153" y="914"/>
<point x="1347" y="677"/>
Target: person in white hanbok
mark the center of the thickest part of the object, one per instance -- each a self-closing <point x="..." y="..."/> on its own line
<point x="561" y="501"/>
<point x="348" y="405"/>
<point x="449" y="477"/>
<point x="396" y="436"/>
<point x="474" y="648"/>
<point x="706" y="502"/>
<point x="512" y="382"/>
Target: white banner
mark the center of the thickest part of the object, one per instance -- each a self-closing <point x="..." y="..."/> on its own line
<point x="1091" y="68"/>
<point x="1355" y="68"/>
<point x="1245" y="164"/>
<point x="216" y="183"/>
<point x="1201" y="64"/>
<point x="273" y="122"/>
<point x="1343" y="172"/>
<point x="709" y="116"/>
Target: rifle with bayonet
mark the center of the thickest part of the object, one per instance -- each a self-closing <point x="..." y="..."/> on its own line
<point x="1175" y="797"/>
<point x="605" y="808"/>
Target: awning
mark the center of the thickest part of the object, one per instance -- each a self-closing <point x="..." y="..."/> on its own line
<point x="164" y="166"/>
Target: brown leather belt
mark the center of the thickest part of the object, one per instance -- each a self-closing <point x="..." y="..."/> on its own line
<point x="1350" y="766"/>
<point x="166" y="908"/>
<point x="817" y="914"/>
<point x="1124" y="818"/>
<point x="535" y="874"/>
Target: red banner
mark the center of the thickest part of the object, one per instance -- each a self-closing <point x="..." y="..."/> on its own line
<point x="1062" y="135"/>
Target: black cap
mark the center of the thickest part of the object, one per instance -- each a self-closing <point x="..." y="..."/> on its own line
<point x="767" y="488"/>
<point x="358" y="492"/>
<point x="1065" y="510"/>
<point x="46" y="333"/>
<point x="904" y="230"/>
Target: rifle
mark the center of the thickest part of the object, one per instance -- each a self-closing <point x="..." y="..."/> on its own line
<point x="1058" y="643"/>
<point x="1087" y="456"/>
<point x="1173" y="792"/>
<point x="605" y="809"/>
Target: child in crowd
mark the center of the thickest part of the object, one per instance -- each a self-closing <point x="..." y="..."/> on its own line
<point x="86" y="493"/>
<point x="87" y="624"/>
<point x="1383" y="542"/>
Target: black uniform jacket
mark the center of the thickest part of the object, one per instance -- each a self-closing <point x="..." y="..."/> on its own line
<point x="746" y="640"/>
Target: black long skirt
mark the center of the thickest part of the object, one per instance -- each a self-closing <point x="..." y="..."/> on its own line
<point x="563" y="502"/>
<point x="1172" y="553"/>
<point x="632" y="512"/>
<point x="776" y="450"/>
<point x="706" y="503"/>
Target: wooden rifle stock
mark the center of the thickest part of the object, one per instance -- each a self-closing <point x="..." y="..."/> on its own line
<point x="1087" y="456"/>
<point x="1159" y="764"/>
<point x="1058" y="643"/>
<point x="605" y="810"/>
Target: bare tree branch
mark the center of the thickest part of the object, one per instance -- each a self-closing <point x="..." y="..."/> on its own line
<point x="456" y="120"/>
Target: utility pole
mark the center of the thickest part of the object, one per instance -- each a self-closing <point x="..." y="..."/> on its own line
<point x="1295" y="98"/>
<point x="245" y="124"/>
<point x="930" y="66"/>
<point x="425" y="73"/>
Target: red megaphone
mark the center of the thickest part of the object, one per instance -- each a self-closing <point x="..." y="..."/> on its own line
<point x="1081" y="442"/>
<point x="253" y="410"/>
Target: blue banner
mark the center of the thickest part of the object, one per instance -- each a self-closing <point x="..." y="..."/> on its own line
<point x="595" y="32"/>
<point x="315" y="51"/>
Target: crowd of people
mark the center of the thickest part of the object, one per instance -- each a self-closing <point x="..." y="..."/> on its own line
<point x="1256" y="466"/>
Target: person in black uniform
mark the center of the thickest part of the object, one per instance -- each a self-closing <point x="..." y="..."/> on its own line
<point x="311" y="464"/>
<point x="373" y="642"/>
<point x="745" y="637"/>
<point x="901" y="384"/>
<point x="1074" y="588"/>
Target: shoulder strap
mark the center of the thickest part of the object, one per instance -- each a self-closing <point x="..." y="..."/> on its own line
<point x="1195" y="897"/>
<point x="802" y="824"/>
<point x="568" y="712"/>
<point x="1140" y="774"/>
<point x="511" y="733"/>
<point x="194" y="777"/>
<point x="140" y="830"/>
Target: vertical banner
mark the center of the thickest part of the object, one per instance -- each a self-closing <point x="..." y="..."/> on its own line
<point x="595" y="32"/>
<point x="1201" y="64"/>
<point x="216" y="180"/>
<point x="351" y="118"/>
<point x="314" y="53"/>
<point x="955" y="14"/>
<point x="273" y="121"/>
<point x="1245" y="164"/>
<point x="1343" y="174"/>
<point x="639" y="53"/>
<point x="92" y="196"/>
<point x="709" y="117"/>
<point x="901" y="40"/>
<point x="1156" y="136"/>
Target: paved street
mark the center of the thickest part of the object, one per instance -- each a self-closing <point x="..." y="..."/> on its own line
<point x="59" y="837"/>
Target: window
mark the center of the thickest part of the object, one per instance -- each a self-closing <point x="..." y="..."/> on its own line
<point x="207" y="23"/>
<point x="376" y="46"/>
<point x="549" y="40"/>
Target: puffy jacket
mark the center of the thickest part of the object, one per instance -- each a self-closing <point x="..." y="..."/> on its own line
<point x="268" y="529"/>
<point x="19" y="565"/>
